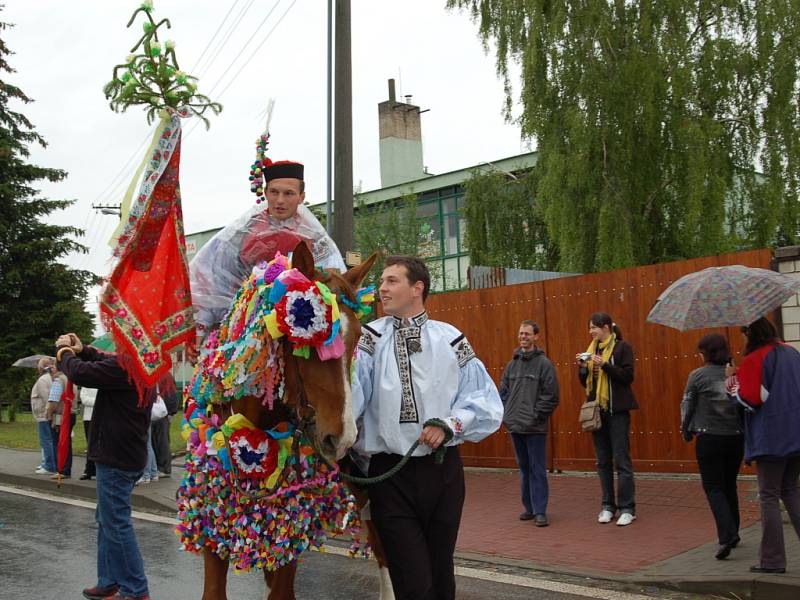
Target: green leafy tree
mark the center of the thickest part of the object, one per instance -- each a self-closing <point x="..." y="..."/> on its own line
<point x="393" y="228"/>
<point x="39" y="297"/>
<point x="509" y="230"/>
<point x="665" y="129"/>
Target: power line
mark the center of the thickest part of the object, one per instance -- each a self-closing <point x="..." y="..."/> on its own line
<point x="246" y="44"/>
<point x="255" y="51"/>
<point x="124" y="169"/>
<point x="257" y="48"/>
<point x="226" y="37"/>
<point x="213" y="37"/>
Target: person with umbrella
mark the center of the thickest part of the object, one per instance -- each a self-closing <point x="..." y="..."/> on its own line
<point x="767" y="383"/>
<point x="708" y="415"/>
<point x="39" y="395"/>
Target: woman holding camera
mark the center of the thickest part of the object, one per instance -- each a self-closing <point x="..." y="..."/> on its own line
<point x="606" y="371"/>
<point x="708" y="414"/>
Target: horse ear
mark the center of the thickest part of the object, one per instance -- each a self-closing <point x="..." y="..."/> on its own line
<point x="357" y="274"/>
<point x="303" y="260"/>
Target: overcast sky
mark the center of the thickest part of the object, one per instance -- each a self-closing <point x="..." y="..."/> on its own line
<point x="65" y="52"/>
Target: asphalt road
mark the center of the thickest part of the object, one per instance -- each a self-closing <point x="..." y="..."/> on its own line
<point x="47" y="551"/>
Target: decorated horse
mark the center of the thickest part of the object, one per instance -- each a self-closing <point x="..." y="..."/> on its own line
<point x="267" y="415"/>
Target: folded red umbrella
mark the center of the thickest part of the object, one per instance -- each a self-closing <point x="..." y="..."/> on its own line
<point x="64" y="441"/>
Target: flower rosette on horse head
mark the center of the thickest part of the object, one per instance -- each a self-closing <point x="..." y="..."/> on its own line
<point x="257" y="490"/>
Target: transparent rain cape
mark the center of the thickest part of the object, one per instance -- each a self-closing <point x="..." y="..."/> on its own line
<point x="217" y="270"/>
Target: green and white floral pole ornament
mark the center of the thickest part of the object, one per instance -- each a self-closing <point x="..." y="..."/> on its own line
<point x="146" y="303"/>
<point x="151" y="77"/>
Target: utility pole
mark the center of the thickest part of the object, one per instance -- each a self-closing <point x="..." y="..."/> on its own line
<point x="343" y="132"/>
<point x="329" y="140"/>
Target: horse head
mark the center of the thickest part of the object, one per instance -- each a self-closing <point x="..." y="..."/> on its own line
<point x="319" y="389"/>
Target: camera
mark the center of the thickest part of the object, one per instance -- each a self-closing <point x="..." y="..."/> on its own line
<point x="584" y="356"/>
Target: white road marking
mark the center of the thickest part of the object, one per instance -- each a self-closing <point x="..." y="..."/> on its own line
<point x="492" y="576"/>
<point x="85" y="504"/>
<point x="546" y="584"/>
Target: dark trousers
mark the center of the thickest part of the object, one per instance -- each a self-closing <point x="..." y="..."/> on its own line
<point x="777" y="480"/>
<point x="68" y="421"/>
<point x="531" y="451"/>
<point x="89" y="468"/>
<point x="613" y="449"/>
<point x="159" y="431"/>
<point x="719" y="458"/>
<point x="417" y="514"/>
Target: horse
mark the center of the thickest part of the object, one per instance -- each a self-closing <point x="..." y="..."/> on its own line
<point x="315" y="396"/>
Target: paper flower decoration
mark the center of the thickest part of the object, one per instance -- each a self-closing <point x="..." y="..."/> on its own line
<point x="255" y="453"/>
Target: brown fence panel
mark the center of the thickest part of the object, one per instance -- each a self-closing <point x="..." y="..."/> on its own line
<point x="664" y="356"/>
<point x="490" y="319"/>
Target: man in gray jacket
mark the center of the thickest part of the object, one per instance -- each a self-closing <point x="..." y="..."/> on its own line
<point x="529" y="390"/>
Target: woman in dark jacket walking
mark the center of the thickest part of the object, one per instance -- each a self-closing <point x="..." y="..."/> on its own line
<point x="708" y="413"/>
<point x="606" y="371"/>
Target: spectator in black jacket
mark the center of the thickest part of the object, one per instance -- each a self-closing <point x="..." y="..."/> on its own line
<point x="118" y="447"/>
<point x="159" y="429"/>
<point x="606" y="371"/>
<point x="529" y="391"/>
<point x="708" y="413"/>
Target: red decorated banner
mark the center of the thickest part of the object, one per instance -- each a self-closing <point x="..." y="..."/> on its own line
<point x="147" y="303"/>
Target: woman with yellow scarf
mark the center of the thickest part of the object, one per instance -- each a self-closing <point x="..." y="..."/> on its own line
<point x="606" y="371"/>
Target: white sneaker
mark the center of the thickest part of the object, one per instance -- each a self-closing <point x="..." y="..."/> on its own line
<point x="626" y="519"/>
<point x="154" y="478"/>
<point x="143" y="480"/>
<point x="42" y="471"/>
<point x="605" y="516"/>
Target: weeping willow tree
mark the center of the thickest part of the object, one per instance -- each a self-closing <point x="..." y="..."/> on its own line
<point x="505" y="224"/>
<point x="665" y="128"/>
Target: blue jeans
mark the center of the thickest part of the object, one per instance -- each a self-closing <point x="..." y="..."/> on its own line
<point x="46" y="443"/>
<point x="151" y="470"/>
<point x="118" y="558"/>
<point x="531" y="451"/>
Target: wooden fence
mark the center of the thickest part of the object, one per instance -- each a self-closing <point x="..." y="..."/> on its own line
<point x="664" y="357"/>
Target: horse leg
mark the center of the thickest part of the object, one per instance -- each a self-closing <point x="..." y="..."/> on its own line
<point x="387" y="592"/>
<point x="280" y="583"/>
<point x="215" y="572"/>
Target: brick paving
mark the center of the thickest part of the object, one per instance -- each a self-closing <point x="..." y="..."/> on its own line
<point x="672" y="518"/>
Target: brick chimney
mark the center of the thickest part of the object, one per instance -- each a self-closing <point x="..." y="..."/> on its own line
<point x="400" y="140"/>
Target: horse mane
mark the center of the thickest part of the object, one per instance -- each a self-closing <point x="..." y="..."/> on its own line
<point x="328" y="276"/>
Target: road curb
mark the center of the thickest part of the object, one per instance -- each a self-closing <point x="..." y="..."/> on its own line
<point x="139" y="501"/>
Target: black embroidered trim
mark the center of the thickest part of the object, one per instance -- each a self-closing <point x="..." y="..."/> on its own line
<point x="417" y="321"/>
<point x="463" y="349"/>
<point x="406" y="341"/>
<point x="368" y="339"/>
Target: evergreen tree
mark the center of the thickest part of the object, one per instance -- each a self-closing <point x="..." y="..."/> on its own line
<point x="665" y="129"/>
<point x="39" y="297"/>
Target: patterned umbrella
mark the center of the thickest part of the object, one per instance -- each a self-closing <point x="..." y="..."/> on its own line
<point x="29" y="362"/>
<point x="722" y="297"/>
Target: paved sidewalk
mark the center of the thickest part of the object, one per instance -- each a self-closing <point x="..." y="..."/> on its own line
<point x="671" y="544"/>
